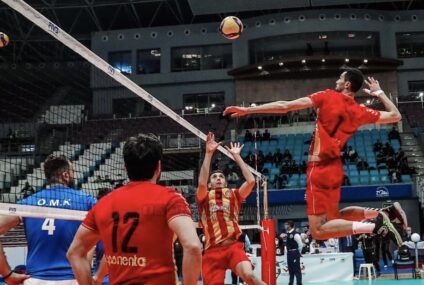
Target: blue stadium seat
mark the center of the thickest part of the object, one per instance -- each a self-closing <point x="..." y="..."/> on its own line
<point x="384" y="178"/>
<point x="384" y="171"/>
<point x="364" y="179"/>
<point x="268" y="165"/>
<point x="274" y="171"/>
<point x="352" y="167"/>
<point x="406" y="178"/>
<point x="375" y="179"/>
<point x="353" y="172"/>
<point x="363" y="173"/>
<point x="354" y="180"/>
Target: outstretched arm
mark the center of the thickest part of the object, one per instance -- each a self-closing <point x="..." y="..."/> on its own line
<point x="278" y="107"/>
<point x="211" y="147"/>
<point x="392" y="114"/>
<point x="247" y="187"/>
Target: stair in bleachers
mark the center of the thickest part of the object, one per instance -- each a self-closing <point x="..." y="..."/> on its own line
<point x="413" y="151"/>
<point x="11" y="168"/>
<point x="14" y="238"/>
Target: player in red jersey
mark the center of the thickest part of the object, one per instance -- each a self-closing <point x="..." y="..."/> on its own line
<point x="137" y="223"/>
<point x="338" y="118"/>
<point x="219" y="210"/>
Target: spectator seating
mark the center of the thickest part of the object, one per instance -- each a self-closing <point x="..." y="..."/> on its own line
<point x="298" y="145"/>
<point x="63" y="114"/>
<point x="11" y="168"/>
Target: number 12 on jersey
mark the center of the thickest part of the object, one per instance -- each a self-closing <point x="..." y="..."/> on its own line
<point x="126" y="220"/>
<point x="48" y="225"/>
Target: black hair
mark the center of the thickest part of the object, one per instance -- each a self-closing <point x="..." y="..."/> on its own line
<point x="290" y="223"/>
<point x="54" y="166"/>
<point x="103" y="192"/>
<point x="141" y="156"/>
<point x="355" y="77"/>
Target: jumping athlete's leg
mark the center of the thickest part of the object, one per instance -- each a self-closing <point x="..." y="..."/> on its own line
<point x="241" y="265"/>
<point x="355" y="213"/>
<point x="244" y="271"/>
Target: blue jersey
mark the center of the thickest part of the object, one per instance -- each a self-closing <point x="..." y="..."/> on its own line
<point x="99" y="254"/>
<point x="49" y="239"/>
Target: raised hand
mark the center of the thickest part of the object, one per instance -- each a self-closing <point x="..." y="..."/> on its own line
<point x="373" y="87"/>
<point x="211" y="145"/>
<point x="235" y="148"/>
<point x="235" y="111"/>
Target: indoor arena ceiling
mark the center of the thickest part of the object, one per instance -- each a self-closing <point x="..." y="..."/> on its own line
<point x="82" y="17"/>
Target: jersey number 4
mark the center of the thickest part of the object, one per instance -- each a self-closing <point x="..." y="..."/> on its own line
<point x="116" y="220"/>
<point x="48" y="225"/>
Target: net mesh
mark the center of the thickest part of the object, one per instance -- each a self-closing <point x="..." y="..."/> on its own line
<point x="52" y="104"/>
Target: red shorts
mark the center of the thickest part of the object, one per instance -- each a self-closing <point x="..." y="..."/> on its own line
<point x="323" y="182"/>
<point x="218" y="259"/>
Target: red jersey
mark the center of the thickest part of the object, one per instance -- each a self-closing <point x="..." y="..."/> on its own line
<point x="338" y="118"/>
<point x="219" y="215"/>
<point x="133" y="225"/>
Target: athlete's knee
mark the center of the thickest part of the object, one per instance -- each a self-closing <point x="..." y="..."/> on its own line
<point x="317" y="233"/>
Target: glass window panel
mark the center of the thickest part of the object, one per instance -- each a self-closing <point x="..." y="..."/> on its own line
<point x="410" y="45"/>
<point x="121" y="60"/>
<point x="148" y="61"/>
<point x="201" y="57"/>
<point x="343" y="43"/>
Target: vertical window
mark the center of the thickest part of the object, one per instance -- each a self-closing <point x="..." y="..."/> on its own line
<point x="148" y="61"/>
<point x="121" y="60"/>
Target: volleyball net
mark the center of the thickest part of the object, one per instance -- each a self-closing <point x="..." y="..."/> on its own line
<point x="70" y="101"/>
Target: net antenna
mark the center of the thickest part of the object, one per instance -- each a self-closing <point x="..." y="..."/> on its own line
<point x="41" y="21"/>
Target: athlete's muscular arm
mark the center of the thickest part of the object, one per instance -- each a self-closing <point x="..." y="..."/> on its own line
<point x="211" y="147"/>
<point x="184" y="228"/>
<point x="278" y="107"/>
<point x="247" y="187"/>
<point x="6" y="223"/>
<point x="85" y="239"/>
<point x="392" y="114"/>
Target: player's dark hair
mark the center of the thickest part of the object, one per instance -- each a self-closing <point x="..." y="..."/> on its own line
<point x="355" y="77"/>
<point x="290" y="223"/>
<point x="141" y="156"/>
<point x="54" y="166"/>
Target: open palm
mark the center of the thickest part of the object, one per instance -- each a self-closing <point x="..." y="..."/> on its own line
<point x="211" y="144"/>
<point x="235" y="148"/>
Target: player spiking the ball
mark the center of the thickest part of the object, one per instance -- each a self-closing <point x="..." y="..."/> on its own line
<point x="338" y="118"/>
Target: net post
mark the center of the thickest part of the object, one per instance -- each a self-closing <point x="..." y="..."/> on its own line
<point x="265" y="185"/>
<point x="268" y="257"/>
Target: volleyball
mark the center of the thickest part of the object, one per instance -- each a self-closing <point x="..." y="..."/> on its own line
<point x="4" y="40"/>
<point x="231" y="27"/>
